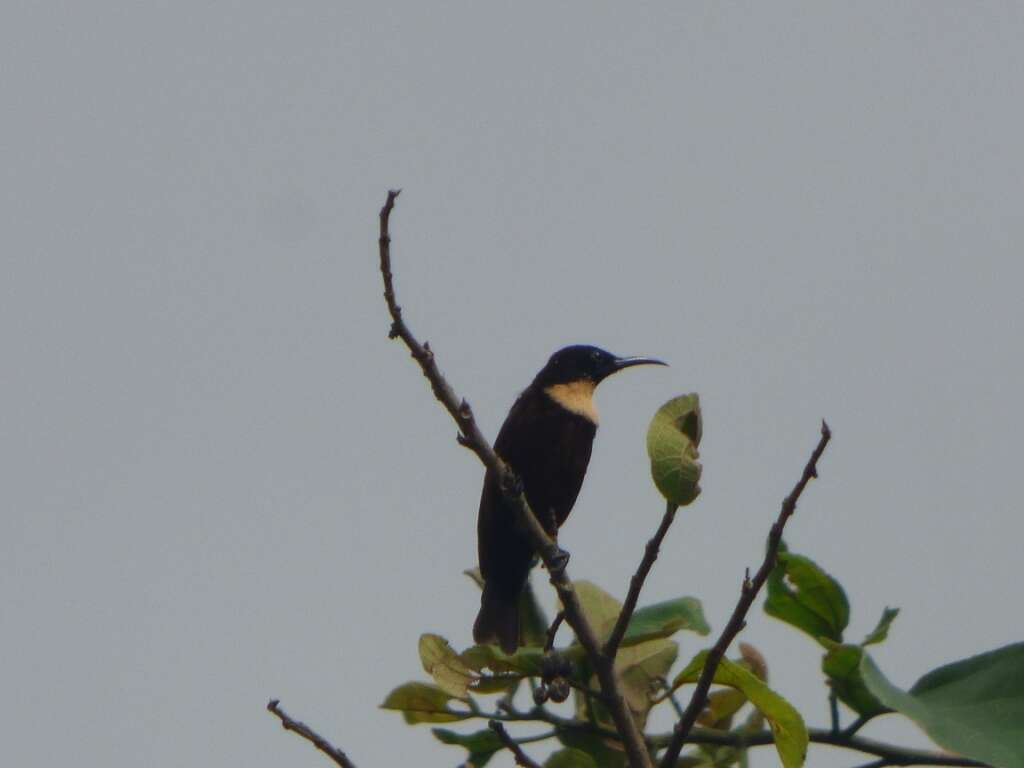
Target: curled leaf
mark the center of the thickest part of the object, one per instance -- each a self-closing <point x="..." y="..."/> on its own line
<point x="672" y="441"/>
<point x="802" y="594"/>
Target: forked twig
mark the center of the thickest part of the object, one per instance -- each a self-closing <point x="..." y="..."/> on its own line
<point x="747" y="594"/>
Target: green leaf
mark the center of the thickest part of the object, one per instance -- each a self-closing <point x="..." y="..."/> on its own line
<point x="881" y="632"/>
<point x="647" y="657"/>
<point x="802" y="594"/>
<point x="570" y="758"/>
<point x="787" y="726"/>
<point x="648" y="623"/>
<point x="694" y="760"/>
<point x="638" y="667"/>
<point x="974" y="707"/>
<point x="525" y="662"/>
<point x="672" y="441"/>
<point x="606" y="753"/>
<point x="486" y="684"/>
<point x="533" y="623"/>
<point x="842" y="667"/>
<point x="600" y="608"/>
<point x="721" y="707"/>
<point x="423" y="703"/>
<point x="481" y="745"/>
<point x="442" y="663"/>
<point x="665" y="619"/>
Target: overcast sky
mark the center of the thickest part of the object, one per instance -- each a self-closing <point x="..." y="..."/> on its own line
<point x="222" y="483"/>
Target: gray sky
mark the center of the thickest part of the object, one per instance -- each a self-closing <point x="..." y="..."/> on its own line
<point x="222" y="483"/>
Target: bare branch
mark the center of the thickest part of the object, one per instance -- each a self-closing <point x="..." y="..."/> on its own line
<point x="521" y="757"/>
<point x="666" y="686"/>
<point x="611" y="646"/>
<point x="856" y="725"/>
<point x="889" y="753"/>
<point x="310" y="735"/>
<point x="879" y="763"/>
<point x="738" y="619"/>
<point x="473" y="439"/>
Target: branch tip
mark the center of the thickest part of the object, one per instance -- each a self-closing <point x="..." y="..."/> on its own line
<point x="511" y="745"/>
<point x="307" y="733"/>
<point x="748" y="592"/>
<point x="630" y="734"/>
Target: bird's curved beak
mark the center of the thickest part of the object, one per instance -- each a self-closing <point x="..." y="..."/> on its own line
<point x="618" y="363"/>
<point x="626" y="362"/>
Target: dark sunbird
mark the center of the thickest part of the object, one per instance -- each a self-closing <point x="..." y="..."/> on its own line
<point x="546" y="440"/>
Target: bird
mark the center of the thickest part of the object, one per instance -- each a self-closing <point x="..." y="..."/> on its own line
<point x="546" y="440"/>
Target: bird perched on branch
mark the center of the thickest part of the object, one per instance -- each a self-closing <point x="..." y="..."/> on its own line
<point x="546" y="440"/>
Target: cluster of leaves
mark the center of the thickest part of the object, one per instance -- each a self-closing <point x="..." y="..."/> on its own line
<point x="974" y="707"/>
<point x="643" y="664"/>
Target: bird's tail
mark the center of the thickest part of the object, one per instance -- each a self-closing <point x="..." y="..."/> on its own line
<point x="498" y="620"/>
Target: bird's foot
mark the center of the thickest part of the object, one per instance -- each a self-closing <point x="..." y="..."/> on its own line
<point x="512" y="484"/>
<point x="558" y="559"/>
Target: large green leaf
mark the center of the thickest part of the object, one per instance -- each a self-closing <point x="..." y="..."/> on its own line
<point x="802" y="594"/>
<point x="974" y="707"/>
<point x="665" y="619"/>
<point x="786" y="723"/>
<point x="672" y="441"/>
<point x="722" y="705"/>
<point x="423" y="703"/>
<point x="842" y="667"/>
<point x="600" y="608"/>
<point x="481" y="745"/>
<point x="648" y="623"/>
<point x="442" y="663"/>
<point x="644" y="660"/>
<point x="606" y="753"/>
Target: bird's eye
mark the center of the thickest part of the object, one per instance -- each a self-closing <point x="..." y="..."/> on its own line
<point x="595" y="355"/>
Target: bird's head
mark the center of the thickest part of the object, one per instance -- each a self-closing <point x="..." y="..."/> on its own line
<point x="585" y="364"/>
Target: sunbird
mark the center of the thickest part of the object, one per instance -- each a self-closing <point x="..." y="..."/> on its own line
<point x="546" y="441"/>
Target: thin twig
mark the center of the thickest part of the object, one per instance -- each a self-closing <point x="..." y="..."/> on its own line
<point x="549" y="643"/>
<point x="310" y="735"/>
<point x="833" y="710"/>
<point x="472" y="438"/>
<point x="738" y="619"/>
<point x="521" y="757"/>
<point x="856" y="725"/>
<point x="636" y="583"/>
<point x="666" y="686"/>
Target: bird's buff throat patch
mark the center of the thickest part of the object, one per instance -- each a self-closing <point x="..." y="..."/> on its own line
<point x="576" y="397"/>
